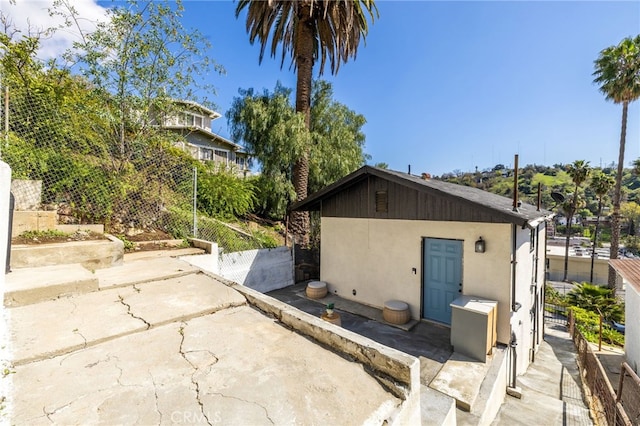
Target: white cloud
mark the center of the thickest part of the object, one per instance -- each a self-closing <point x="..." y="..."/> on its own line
<point x="34" y="14"/>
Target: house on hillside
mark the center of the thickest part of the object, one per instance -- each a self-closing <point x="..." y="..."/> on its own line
<point x="387" y="235"/>
<point x="628" y="271"/>
<point x="193" y="121"/>
<point x="561" y="220"/>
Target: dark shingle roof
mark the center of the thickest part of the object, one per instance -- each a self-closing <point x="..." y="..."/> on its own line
<point x="526" y="214"/>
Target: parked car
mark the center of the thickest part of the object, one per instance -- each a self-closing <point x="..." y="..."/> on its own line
<point x="616" y="326"/>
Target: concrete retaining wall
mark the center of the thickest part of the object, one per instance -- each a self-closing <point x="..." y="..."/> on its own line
<point x="398" y="371"/>
<point x="263" y="270"/>
<point x="33" y="221"/>
<point x="91" y="254"/>
<point x="28" y="194"/>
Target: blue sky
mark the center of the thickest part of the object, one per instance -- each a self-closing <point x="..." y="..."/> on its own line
<point x="454" y="85"/>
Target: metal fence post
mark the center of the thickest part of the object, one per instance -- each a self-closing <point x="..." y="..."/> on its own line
<point x="293" y="257"/>
<point x="195" y="202"/>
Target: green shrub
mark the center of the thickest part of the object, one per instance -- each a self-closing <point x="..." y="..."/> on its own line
<point x="597" y="299"/>
<point x="44" y="234"/>
<point x="223" y="194"/>
<point x="273" y="195"/>
<point x="632" y="243"/>
<point x="554" y="297"/>
<point x="179" y="222"/>
<point x="589" y="325"/>
<point x="575" y="229"/>
<point x="128" y="245"/>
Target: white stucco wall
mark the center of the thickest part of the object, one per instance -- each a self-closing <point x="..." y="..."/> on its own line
<point x="522" y="321"/>
<point x="578" y="268"/>
<point x="632" y="331"/>
<point x="376" y="257"/>
<point x="5" y="185"/>
<point x="5" y="349"/>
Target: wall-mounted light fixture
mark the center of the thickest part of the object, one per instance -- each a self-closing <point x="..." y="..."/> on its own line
<point x="480" y="245"/>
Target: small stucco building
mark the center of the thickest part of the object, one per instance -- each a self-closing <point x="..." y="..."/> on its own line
<point x="387" y="235"/>
<point x="628" y="271"/>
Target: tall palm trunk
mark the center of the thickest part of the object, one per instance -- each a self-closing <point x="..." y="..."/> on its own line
<point x="566" y="246"/>
<point x="304" y="62"/>
<point x="615" y="217"/>
<point x="595" y="239"/>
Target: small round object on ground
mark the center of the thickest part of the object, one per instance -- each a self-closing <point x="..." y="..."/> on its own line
<point x="316" y="289"/>
<point x="333" y="318"/>
<point x="396" y="312"/>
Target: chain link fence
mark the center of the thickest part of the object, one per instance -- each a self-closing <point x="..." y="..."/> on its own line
<point x="65" y="159"/>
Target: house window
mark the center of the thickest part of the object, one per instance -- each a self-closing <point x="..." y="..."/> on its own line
<point x="532" y="240"/>
<point x="221" y="156"/>
<point x="381" y="202"/>
<point x="240" y="162"/>
<point x="191" y="120"/>
<point x="206" y="154"/>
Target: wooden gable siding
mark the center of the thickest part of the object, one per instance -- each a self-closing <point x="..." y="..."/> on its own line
<point x="359" y="201"/>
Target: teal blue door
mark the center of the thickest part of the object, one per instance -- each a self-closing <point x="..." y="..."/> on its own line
<point x="442" y="277"/>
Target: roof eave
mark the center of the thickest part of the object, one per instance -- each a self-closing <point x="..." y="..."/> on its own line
<point x="313" y="202"/>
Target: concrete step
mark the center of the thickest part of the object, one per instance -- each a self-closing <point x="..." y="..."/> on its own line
<point x="143" y="270"/>
<point x="137" y="255"/>
<point x="93" y="318"/>
<point x="491" y="394"/>
<point x="436" y="408"/>
<point x="27" y="286"/>
<point x="461" y="378"/>
<point x="92" y="254"/>
<point x="164" y="243"/>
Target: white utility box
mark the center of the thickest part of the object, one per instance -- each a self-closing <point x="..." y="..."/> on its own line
<point x="473" y="326"/>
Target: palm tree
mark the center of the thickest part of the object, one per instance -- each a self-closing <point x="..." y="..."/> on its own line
<point x="617" y="72"/>
<point x="601" y="184"/>
<point x="309" y="30"/>
<point x="636" y="167"/>
<point x="579" y="172"/>
<point x="598" y="299"/>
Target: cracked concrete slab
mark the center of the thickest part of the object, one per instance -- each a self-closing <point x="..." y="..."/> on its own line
<point x="70" y="323"/>
<point x="33" y="285"/>
<point x="179" y="298"/>
<point x="62" y="325"/>
<point x="142" y="271"/>
<point x="236" y="366"/>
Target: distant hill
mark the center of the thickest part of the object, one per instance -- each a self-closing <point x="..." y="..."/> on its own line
<point x="499" y="180"/>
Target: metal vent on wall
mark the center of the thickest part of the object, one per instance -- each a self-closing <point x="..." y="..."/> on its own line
<point x="381" y="201"/>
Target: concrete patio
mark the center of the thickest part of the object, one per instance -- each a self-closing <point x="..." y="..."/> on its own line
<point x="156" y="341"/>
<point x="430" y="342"/>
<point x="162" y="343"/>
<point x="551" y="387"/>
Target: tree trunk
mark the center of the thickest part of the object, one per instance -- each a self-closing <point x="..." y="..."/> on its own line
<point x="615" y="217"/>
<point x="595" y="239"/>
<point x="566" y="247"/>
<point x="574" y="204"/>
<point x="304" y="63"/>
